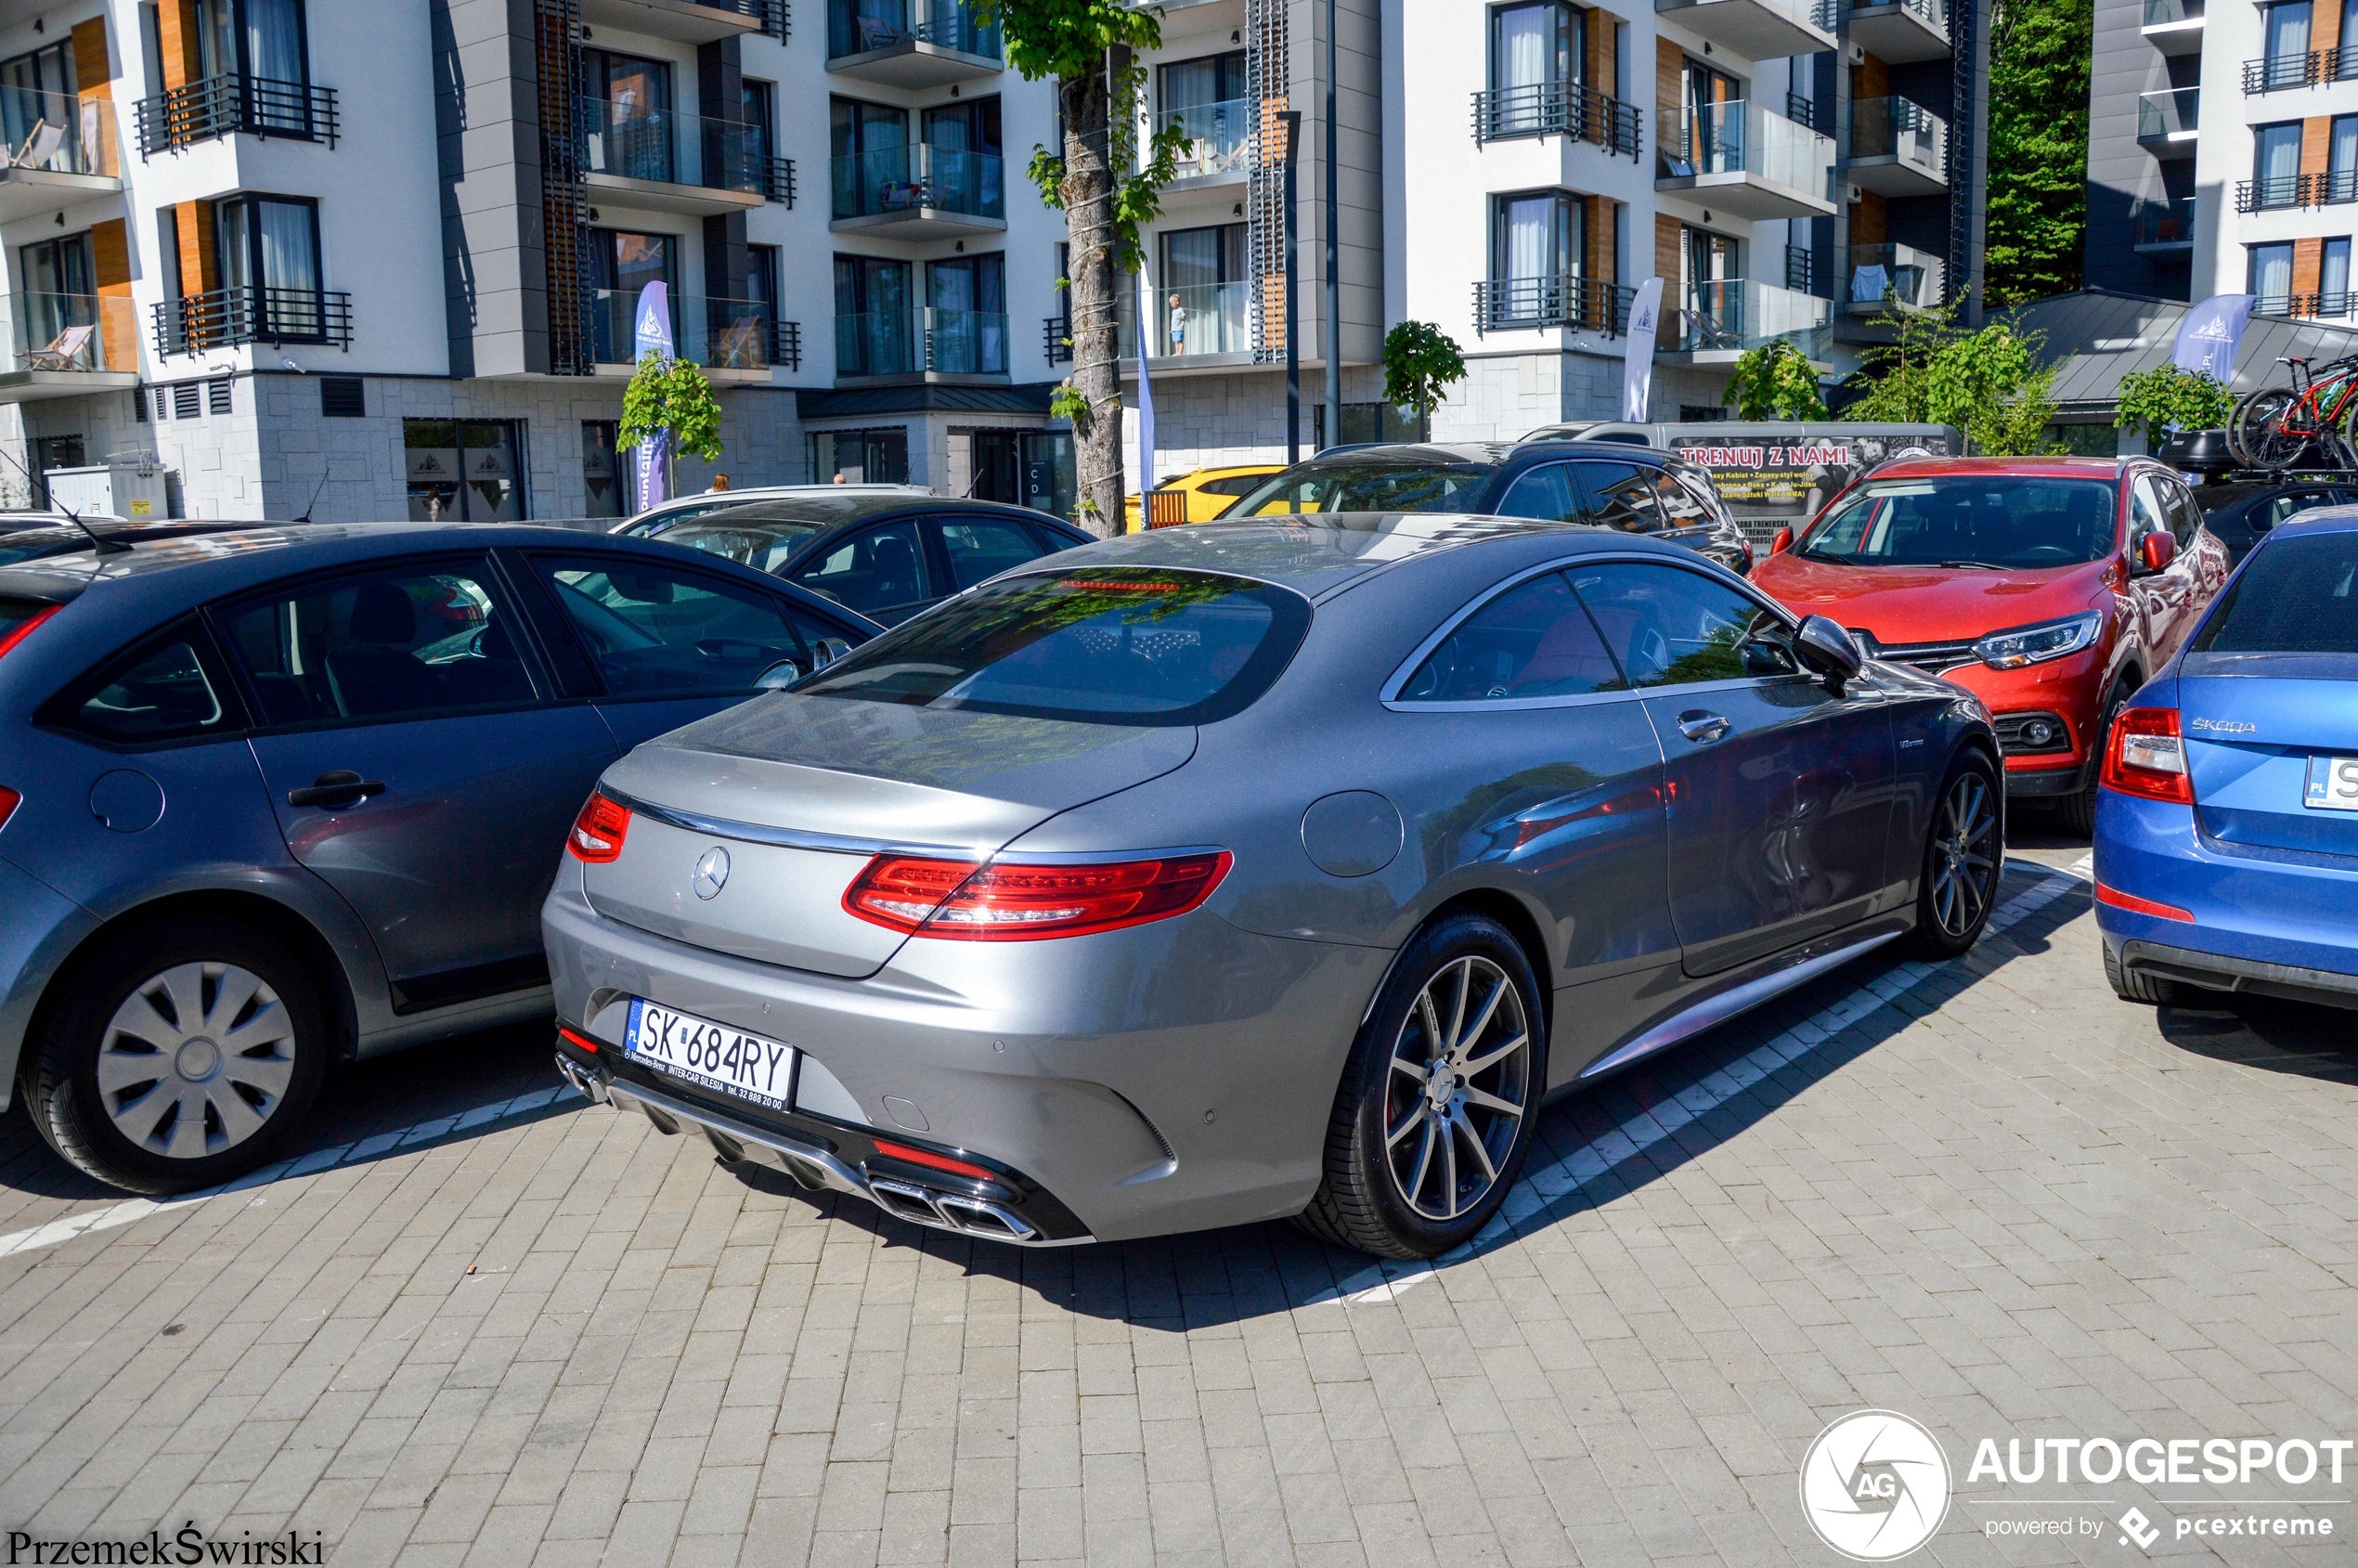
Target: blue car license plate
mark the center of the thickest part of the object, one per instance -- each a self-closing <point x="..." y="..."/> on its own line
<point x="713" y="1056"/>
<point x="2333" y="785"/>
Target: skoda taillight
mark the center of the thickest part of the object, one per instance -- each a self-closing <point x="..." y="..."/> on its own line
<point x="1002" y="901"/>
<point x="2146" y="756"/>
<point x="9" y="799"/>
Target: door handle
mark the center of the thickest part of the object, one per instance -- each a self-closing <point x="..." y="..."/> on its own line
<point x="1702" y="728"/>
<point x="331" y="787"/>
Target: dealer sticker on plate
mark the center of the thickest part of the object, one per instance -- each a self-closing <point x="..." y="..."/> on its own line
<point x="713" y="1054"/>
<point x="2333" y="785"/>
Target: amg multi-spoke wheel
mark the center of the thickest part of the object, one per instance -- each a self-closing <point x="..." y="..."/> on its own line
<point x="179" y="1058"/>
<point x="1963" y="852"/>
<point x="1434" y="1111"/>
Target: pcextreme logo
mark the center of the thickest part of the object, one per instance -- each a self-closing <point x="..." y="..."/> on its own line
<point x="1874" y="1485"/>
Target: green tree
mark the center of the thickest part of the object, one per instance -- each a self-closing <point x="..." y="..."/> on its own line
<point x="1989" y="383"/>
<point x="1775" y="381"/>
<point x="2039" y="86"/>
<point x="1421" y="364"/>
<point x="1097" y="179"/>
<point x="670" y="394"/>
<point x="2170" y="398"/>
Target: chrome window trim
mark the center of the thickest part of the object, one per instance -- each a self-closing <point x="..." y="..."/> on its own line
<point x="839" y="844"/>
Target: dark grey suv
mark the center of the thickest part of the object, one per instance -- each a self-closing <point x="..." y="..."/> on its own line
<point x="274" y="797"/>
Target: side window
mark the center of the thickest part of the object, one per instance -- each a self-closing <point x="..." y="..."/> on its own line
<point x="983" y="547"/>
<point x="1545" y="492"/>
<point x="399" y="642"/>
<point x="1620" y="495"/>
<point x="880" y="569"/>
<point x="1235" y="484"/>
<point x="1680" y="507"/>
<point x="2145" y="512"/>
<point x="1533" y="641"/>
<point x="2282" y="507"/>
<point x="1052" y="541"/>
<point x="155" y="694"/>
<point x="1670" y="627"/>
<point x="2185" y="517"/>
<point x="653" y="630"/>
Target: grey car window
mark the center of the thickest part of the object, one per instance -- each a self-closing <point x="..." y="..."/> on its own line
<point x="1622" y="495"/>
<point x="881" y="568"/>
<point x="980" y="548"/>
<point x="1533" y="641"/>
<point x="401" y="642"/>
<point x="2295" y="596"/>
<point x="1669" y="627"/>
<point x="1545" y="492"/>
<point x="1347" y="485"/>
<point x="2185" y="517"/>
<point x="2281" y="507"/>
<point x="155" y="694"/>
<point x="654" y="631"/>
<point x="764" y="546"/>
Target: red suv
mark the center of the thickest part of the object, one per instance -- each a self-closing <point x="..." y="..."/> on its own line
<point x="2051" y="588"/>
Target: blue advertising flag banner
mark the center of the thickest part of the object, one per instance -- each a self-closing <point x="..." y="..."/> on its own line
<point x="1638" y="369"/>
<point x="651" y="333"/>
<point x="2207" y="337"/>
<point x="652" y="330"/>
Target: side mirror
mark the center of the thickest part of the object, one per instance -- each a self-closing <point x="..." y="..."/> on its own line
<point x="2157" y="550"/>
<point x="785" y="672"/>
<point x="1782" y="542"/>
<point x="826" y="651"/>
<point x="1828" y="649"/>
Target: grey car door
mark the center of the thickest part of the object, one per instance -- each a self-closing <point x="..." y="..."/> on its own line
<point x="881" y="571"/>
<point x="419" y="763"/>
<point x="1780" y="788"/>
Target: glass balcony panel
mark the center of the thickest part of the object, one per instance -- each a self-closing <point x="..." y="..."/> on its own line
<point x="1894" y="275"/>
<point x="718" y="334"/>
<point x="967" y="343"/>
<point x="669" y="147"/>
<point x="2167" y="13"/>
<point x="1215" y="136"/>
<point x="879" y="343"/>
<point x="1900" y="128"/>
<point x="76" y="332"/>
<point x="1735" y="315"/>
<point x="1742" y="138"/>
<point x="1206" y="318"/>
<point x="2165" y="223"/>
<point x="2169" y="114"/>
<point x="57" y="131"/>
<point x="905" y="180"/>
<point x="859" y="27"/>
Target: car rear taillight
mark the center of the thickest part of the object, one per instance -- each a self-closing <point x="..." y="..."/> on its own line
<point x="1003" y="902"/>
<point x="2147" y="757"/>
<point x="598" y="831"/>
<point x="9" y="798"/>
<point x="12" y="635"/>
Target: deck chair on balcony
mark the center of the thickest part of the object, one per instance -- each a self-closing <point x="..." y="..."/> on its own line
<point x="63" y="350"/>
<point x="876" y="33"/>
<point x="41" y="144"/>
<point x="740" y="345"/>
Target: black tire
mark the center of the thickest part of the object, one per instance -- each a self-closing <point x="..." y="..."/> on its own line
<point x="2076" y="812"/>
<point x="193" y="1103"/>
<point x="2131" y="986"/>
<point x="1964" y="853"/>
<point x="1380" y="1198"/>
<point x="2256" y="433"/>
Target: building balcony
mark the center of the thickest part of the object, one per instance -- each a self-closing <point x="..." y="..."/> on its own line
<point x="1740" y="159"/>
<point x="2174" y="26"/>
<point x="730" y="340"/>
<point x="2284" y="193"/>
<point x="919" y="193"/>
<point x="2310" y="308"/>
<point x="1203" y="318"/>
<point x="62" y="151"/>
<point x="911" y="42"/>
<point x="2284" y="74"/>
<point x="70" y="344"/>
<point x="1901" y="31"/>
<point x="1569" y="303"/>
<point x="1758" y="30"/>
<point x="666" y="161"/>
<point x="251" y="313"/>
<point x="222" y="106"/>
<point x="688" y="22"/>
<point x="1724" y="321"/>
<point x="1219" y="140"/>
<point x="1898" y="148"/>
<point x="2166" y="121"/>
<point x="924" y="343"/>
<point x="1877" y="278"/>
<point x="1557" y="108"/>
<point x="2165" y="229"/>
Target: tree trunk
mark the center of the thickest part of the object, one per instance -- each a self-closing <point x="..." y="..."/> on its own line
<point x="1089" y="270"/>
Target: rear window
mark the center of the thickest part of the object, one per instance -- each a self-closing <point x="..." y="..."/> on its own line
<point x="763" y="546"/>
<point x="31" y="543"/>
<point x="1349" y="487"/>
<point x="2293" y="596"/>
<point x="1107" y="645"/>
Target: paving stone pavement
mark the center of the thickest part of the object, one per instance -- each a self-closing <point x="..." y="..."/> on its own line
<point x="1985" y="1194"/>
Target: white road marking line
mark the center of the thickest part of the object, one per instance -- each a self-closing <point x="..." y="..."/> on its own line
<point x="1541" y="1184"/>
<point x="132" y="1208"/>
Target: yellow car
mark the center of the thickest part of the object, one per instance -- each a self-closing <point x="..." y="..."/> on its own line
<point x="1208" y="492"/>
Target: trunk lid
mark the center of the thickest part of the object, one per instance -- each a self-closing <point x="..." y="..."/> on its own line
<point x="802" y="791"/>
<point x="2252" y="723"/>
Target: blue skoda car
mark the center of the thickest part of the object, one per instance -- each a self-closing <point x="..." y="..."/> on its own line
<point x="2227" y="826"/>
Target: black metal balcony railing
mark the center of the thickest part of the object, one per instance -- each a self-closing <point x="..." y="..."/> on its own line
<point x="220" y="106"/>
<point x="1058" y="333"/>
<point x="777" y="181"/>
<point x="225" y="317"/>
<point x="2317" y="307"/>
<point x="1513" y="304"/>
<point x="2278" y="73"/>
<point x="1801" y="109"/>
<point x="2330" y="190"/>
<point x="771" y="14"/>
<point x="786" y="344"/>
<point x="1798" y="268"/>
<point x="1557" y="108"/>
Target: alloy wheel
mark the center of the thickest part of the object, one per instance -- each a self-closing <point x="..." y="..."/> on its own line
<point x="1458" y="1088"/>
<point x="1964" y="865"/>
<point x="197" y="1060"/>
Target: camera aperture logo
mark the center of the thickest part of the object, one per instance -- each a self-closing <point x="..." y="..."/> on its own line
<point x="1874" y="1485"/>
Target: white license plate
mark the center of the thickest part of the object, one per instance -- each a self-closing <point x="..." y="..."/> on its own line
<point x="2333" y="785"/>
<point x="713" y="1054"/>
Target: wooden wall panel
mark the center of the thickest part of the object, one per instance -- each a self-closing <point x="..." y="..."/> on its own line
<point x="2316" y="140"/>
<point x="1666" y="252"/>
<point x="118" y="319"/>
<point x="2308" y="258"/>
<point x="176" y="23"/>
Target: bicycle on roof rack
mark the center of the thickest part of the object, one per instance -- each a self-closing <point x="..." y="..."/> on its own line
<point x="2273" y="427"/>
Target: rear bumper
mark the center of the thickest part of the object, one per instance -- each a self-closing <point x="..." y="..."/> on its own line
<point x="2245" y="976"/>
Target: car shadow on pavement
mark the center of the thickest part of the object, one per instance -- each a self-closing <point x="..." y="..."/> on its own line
<point x="2268" y="1033"/>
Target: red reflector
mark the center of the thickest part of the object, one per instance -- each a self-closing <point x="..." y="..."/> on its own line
<point x="927" y="1157"/>
<point x="2136" y="905"/>
<point x="9" y="798"/>
<point x="598" y="831"/>
<point x="1003" y="902"/>
<point x="2147" y="757"/>
<point x="578" y="1042"/>
<point x="24" y="630"/>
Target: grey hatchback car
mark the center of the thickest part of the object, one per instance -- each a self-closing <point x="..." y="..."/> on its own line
<point x="1256" y="869"/>
<point x="276" y="796"/>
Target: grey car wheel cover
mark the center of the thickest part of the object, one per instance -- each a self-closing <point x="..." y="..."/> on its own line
<point x="197" y="1060"/>
<point x="1458" y="1090"/>
<point x="1964" y="871"/>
